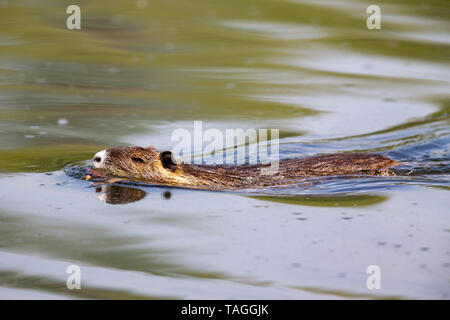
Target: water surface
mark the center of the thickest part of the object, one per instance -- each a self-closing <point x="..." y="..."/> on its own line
<point x="137" y="70"/>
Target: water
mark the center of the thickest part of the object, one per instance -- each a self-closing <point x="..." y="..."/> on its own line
<point x="139" y="70"/>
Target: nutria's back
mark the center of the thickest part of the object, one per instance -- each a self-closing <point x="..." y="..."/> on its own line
<point x="160" y="167"/>
<point x="292" y="170"/>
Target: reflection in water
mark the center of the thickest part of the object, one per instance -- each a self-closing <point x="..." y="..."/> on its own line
<point x="114" y="194"/>
<point x="326" y="201"/>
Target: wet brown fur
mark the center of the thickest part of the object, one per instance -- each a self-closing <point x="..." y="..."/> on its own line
<point x="160" y="167"/>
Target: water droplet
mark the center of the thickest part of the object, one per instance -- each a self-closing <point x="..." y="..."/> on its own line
<point x="41" y="80"/>
<point x="113" y="70"/>
<point x="169" y="46"/>
<point x="250" y="61"/>
<point x="63" y="121"/>
<point x="141" y="4"/>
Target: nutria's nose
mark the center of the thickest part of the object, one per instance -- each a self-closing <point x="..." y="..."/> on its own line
<point x="99" y="159"/>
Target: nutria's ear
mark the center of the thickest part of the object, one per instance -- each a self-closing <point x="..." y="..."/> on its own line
<point x="150" y="148"/>
<point x="167" y="160"/>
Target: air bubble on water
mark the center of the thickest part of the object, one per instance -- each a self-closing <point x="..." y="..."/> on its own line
<point x="141" y="4"/>
<point x="113" y="70"/>
<point x="29" y="136"/>
<point x="35" y="127"/>
<point x="169" y="46"/>
<point x="250" y="61"/>
<point x="63" y="121"/>
<point x="118" y="19"/>
<point x="230" y="85"/>
<point x="43" y="132"/>
<point x="254" y="11"/>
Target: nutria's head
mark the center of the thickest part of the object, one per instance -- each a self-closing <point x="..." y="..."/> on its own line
<point x="139" y="163"/>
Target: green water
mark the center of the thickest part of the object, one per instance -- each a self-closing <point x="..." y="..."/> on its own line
<point x="138" y="70"/>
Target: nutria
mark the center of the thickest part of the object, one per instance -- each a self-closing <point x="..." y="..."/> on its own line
<point x="150" y="165"/>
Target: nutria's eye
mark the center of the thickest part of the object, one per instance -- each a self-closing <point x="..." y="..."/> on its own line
<point x="138" y="160"/>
